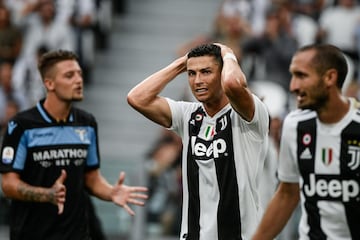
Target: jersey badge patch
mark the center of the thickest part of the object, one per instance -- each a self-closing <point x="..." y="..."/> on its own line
<point x="306" y="139"/>
<point x="354" y="152"/>
<point x="82" y="134"/>
<point x="7" y="155"/>
<point x="11" y="126"/>
<point x="306" y="154"/>
<point x="209" y="132"/>
<point x="199" y="117"/>
<point x="326" y="156"/>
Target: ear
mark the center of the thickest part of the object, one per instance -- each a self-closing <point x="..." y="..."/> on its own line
<point x="330" y="77"/>
<point x="49" y="84"/>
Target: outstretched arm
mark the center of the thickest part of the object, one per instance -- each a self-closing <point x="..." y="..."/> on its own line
<point x="278" y="211"/>
<point x="14" y="188"/>
<point x="119" y="194"/>
<point x="145" y="96"/>
<point x="235" y="85"/>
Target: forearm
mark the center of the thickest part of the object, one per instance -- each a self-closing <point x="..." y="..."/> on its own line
<point x="19" y="190"/>
<point x="149" y="88"/>
<point x="235" y="87"/>
<point x="232" y="75"/>
<point x="145" y="96"/>
<point x="277" y="214"/>
<point x="98" y="185"/>
<point x="146" y="92"/>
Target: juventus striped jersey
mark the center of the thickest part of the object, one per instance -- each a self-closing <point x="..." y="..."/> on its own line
<point x="37" y="147"/>
<point x="325" y="160"/>
<point x="223" y="157"/>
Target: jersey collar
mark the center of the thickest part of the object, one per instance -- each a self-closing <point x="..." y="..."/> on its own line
<point x="48" y="118"/>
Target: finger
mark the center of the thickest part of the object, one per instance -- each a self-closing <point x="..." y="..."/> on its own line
<point x="136" y="202"/>
<point x="139" y="195"/>
<point x="61" y="193"/>
<point x="139" y="189"/>
<point x="62" y="177"/>
<point x="121" y="178"/>
<point x="129" y="210"/>
<point x="60" y="208"/>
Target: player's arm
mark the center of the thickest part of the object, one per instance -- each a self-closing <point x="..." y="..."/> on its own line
<point x="235" y="85"/>
<point x="14" y="188"/>
<point x="278" y="211"/>
<point x="145" y="96"/>
<point x="118" y="193"/>
<point x="98" y="185"/>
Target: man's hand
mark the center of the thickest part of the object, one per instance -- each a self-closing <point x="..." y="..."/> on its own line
<point x="123" y="194"/>
<point x="58" y="192"/>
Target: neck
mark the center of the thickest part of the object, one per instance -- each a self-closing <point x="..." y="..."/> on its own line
<point x="334" y="111"/>
<point x="214" y="107"/>
<point x="59" y="110"/>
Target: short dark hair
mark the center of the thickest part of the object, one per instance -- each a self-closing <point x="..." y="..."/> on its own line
<point x="207" y="49"/>
<point x="49" y="59"/>
<point x="327" y="57"/>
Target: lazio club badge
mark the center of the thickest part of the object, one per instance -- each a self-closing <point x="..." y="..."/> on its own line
<point x="7" y="155"/>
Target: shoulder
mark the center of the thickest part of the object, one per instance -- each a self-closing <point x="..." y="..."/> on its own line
<point x="83" y="115"/>
<point x="30" y="114"/>
<point x="25" y="120"/>
<point x="183" y="106"/>
<point x="298" y="115"/>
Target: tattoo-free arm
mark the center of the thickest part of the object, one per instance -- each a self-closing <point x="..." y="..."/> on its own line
<point x="234" y="84"/>
<point x="119" y="193"/>
<point x="145" y="98"/>
<point x="278" y="211"/>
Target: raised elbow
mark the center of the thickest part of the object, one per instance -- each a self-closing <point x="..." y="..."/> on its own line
<point x="131" y="100"/>
<point x="134" y="100"/>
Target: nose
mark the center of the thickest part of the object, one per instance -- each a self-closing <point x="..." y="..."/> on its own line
<point x="197" y="79"/>
<point x="79" y="77"/>
<point x="293" y="86"/>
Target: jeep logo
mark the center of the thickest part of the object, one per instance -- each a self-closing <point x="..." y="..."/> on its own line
<point x="215" y="148"/>
<point x="334" y="189"/>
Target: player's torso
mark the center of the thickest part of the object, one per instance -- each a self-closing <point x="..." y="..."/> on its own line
<point x="329" y="163"/>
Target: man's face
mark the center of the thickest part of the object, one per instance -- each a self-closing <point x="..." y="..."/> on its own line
<point x="204" y="75"/>
<point x="65" y="81"/>
<point x="308" y="86"/>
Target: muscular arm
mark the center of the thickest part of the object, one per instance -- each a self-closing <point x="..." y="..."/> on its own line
<point x="278" y="211"/>
<point x="14" y="188"/>
<point x="145" y="96"/>
<point x="235" y="86"/>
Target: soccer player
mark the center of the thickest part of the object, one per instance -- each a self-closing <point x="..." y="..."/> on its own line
<point x="319" y="152"/>
<point x="224" y="136"/>
<point x="50" y="160"/>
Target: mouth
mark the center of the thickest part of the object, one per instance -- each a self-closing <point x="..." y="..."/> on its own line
<point x="79" y="89"/>
<point x="201" y="90"/>
<point x="300" y="97"/>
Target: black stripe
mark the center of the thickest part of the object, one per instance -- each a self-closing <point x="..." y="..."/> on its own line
<point x="229" y="221"/>
<point x="307" y="167"/>
<point x="193" y="179"/>
<point x="352" y="208"/>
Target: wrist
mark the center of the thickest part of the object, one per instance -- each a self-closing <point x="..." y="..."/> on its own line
<point x="229" y="55"/>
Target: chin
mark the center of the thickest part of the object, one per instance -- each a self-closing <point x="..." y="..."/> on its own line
<point x="77" y="99"/>
<point x="306" y="106"/>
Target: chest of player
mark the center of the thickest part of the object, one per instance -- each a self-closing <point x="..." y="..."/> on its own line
<point x="329" y="160"/>
<point x="210" y="138"/>
<point x="58" y="146"/>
